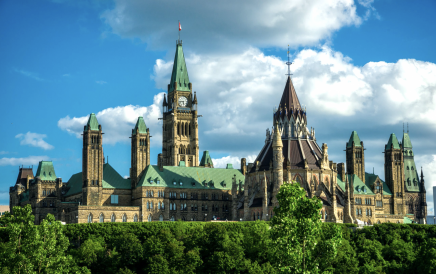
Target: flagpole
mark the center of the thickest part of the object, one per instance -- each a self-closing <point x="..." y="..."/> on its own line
<point x="179" y="31"/>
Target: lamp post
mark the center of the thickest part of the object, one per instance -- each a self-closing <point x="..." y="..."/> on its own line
<point x="240" y="219"/>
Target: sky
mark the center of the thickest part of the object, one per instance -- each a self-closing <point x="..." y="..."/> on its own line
<point x="360" y="65"/>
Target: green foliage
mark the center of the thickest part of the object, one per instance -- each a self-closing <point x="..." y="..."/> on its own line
<point x="200" y="247"/>
<point x="35" y="249"/>
<point x="296" y="230"/>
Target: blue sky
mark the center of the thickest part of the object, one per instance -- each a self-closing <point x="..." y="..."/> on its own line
<point x="365" y="65"/>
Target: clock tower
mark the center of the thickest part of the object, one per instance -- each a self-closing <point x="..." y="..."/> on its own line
<point x="180" y="126"/>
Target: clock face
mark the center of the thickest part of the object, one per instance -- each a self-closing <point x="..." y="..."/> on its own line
<point x="183" y="101"/>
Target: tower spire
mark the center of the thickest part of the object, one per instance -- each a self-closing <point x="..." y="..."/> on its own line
<point x="289" y="63"/>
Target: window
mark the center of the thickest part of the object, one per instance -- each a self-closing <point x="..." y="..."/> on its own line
<point x="135" y="218"/>
<point x="114" y="199"/>
<point x="181" y="183"/>
<point x="90" y="218"/>
<point x="101" y="218"/>
<point x="151" y="205"/>
<point x="149" y="218"/>
<point x="158" y="182"/>
<point x="113" y="218"/>
<point x="124" y="218"/>
<point x="160" y="218"/>
<point x="172" y="219"/>
<point x="44" y="193"/>
<point x="379" y="203"/>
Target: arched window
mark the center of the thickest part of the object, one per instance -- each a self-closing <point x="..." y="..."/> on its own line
<point x="124" y="218"/>
<point x="90" y="218"/>
<point x="152" y="193"/>
<point x="135" y="218"/>
<point x="378" y="222"/>
<point x="172" y="219"/>
<point x="113" y="218"/>
<point x="163" y="205"/>
<point x="161" y="218"/>
<point x="326" y="214"/>
<point x="186" y="129"/>
<point x="101" y="218"/>
<point x="149" y="218"/>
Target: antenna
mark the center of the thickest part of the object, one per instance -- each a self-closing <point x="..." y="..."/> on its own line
<point x="289" y="63"/>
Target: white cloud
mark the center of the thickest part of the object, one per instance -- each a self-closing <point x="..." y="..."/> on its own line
<point x="235" y="161"/>
<point x="101" y="82"/>
<point x="29" y="74"/>
<point x="117" y="123"/>
<point x="30" y="160"/>
<point x="236" y="93"/>
<point x="34" y="139"/>
<point x="4" y="152"/>
<point x="217" y="26"/>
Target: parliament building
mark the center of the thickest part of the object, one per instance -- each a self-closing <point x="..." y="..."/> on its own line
<point x="183" y="186"/>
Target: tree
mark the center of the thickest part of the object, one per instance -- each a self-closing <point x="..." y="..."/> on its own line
<point x="296" y="233"/>
<point x="35" y="249"/>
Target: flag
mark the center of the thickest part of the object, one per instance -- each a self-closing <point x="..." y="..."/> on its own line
<point x="180" y="27"/>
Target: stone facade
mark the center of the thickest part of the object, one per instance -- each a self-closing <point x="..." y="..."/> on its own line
<point x="184" y="187"/>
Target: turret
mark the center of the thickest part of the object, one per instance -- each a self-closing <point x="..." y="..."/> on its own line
<point x="140" y="151"/>
<point x="277" y="163"/>
<point x="355" y="155"/>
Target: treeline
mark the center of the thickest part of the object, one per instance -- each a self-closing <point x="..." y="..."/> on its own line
<point x="198" y="247"/>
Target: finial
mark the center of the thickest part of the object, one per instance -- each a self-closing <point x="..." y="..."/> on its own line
<point x="289" y="64"/>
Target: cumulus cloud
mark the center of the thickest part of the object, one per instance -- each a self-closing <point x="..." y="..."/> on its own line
<point x="34" y="139"/>
<point x="117" y="123"/>
<point x="236" y="93"/>
<point x="428" y="163"/>
<point x="30" y="160"/>
<point x="230" y="25"/>
<point x="235" y="161"/>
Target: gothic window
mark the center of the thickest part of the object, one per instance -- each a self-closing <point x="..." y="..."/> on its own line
<point x="135" y="218"/>
<point x="172" y="219"/>
<point x="44" y="192"/>
<point x="189" y="127"/>
<point x="160" y="218"/>
<point x="407" y="167"/>
<point x="412" y="168"/>
<point x="124" y="218"/>
<point x="186" y="128"/>
<point x="113" y="218"/>
<point x="152" y="194"/>
<point x="90" y="218"/>
<point x="258" y="215"/>
<point x="414" y="182"/>
<point x="178" y="128"/>
<point x="101" y="218"/>
<point x="149" y="218"/>
<point x="408" y="182"/>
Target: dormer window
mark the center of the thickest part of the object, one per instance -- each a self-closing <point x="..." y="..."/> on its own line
<point x="158" y="182"/>
<point x="44" y="173"/>
<point x="49" y="174"/>
<point x="151" y="181"/>
<point x="181" y="183"/>
<point x="407" y="167"/>
<point x="174" y="183"/>
<point x="413" y="168"/>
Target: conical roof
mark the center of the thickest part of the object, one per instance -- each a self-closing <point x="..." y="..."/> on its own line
<point x="289" y="96"/>
<point x="393" y="141"/>
<point x="289" y="103"/>
<point x="406" y="141"/>
<point x="92" y="122"/>
<point x="354" y="137"/>
<point x="140" y="126"/>
<point x="180" y="72"/>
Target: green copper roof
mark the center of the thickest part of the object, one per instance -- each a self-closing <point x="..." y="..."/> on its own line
<point x="354" y="137"/>
<point x="46" y="171"/>
<point x="359" y="185"/>
<point x="407" y="220"/>
<point x="190" y="177"/>
<point x="111" y="179"/>
<point x="411" y="178"/>
<point x="205" y="159"/>
<point x="140" y="126"/>
<point x="370" y="180"/>
<point x="92" y="122"/>
<point x="406" y="141"/>
<point x="180" y="72"/>
<point x="394" y="141"/>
